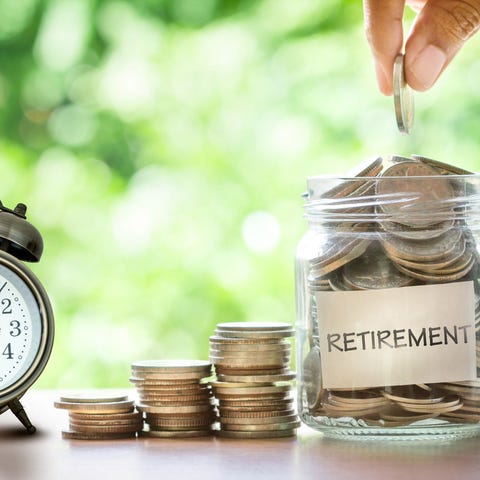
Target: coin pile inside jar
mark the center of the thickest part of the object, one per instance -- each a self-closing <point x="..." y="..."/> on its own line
<point x="100" y="417"/>
<point x="175" y="397"/>
<point x="253" y="388"/>
<point x="419" y="237"/>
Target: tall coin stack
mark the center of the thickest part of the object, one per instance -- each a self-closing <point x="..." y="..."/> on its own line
<point x="100" y="417"/>
<point x="175" y="397"/>
<point x="253" y="388"/>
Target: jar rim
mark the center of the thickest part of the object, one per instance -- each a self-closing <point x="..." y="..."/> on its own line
<point x="373" y="198"/>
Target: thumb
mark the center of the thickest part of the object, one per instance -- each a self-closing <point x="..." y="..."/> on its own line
<point x="440" y="30"/>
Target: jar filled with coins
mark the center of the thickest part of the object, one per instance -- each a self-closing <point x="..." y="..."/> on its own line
<point x="388" y="302"/>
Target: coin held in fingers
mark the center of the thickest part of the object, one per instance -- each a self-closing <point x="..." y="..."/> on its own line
<point x="402" y="97"/>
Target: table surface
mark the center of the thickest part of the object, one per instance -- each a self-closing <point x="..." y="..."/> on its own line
<point x="46" y="455"/>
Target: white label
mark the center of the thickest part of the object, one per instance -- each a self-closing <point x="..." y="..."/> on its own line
<point x="397" y="336"/>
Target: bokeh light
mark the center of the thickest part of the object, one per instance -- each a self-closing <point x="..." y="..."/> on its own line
<point x="162" y="149"/>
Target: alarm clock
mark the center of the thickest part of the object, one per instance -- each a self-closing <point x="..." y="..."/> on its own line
<point x="26" y="316"/>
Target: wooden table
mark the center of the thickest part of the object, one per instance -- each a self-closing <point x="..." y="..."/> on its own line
<point x="46" y="455"/>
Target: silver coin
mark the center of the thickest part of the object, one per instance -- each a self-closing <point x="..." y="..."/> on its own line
<point x="402" y="97"/>
<point x="374" y="271"/>
<point x="312" y="381"/>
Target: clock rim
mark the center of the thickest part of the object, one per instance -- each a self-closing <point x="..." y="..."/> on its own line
<point x="17" y="389"/>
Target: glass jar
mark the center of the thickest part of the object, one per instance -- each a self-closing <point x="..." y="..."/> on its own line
<point x="388" y="302"/>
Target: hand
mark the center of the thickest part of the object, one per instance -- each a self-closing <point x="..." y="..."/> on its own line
<point x="439" y="31"/>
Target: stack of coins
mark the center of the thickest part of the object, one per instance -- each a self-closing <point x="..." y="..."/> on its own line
<point x="253" y="388"/>
<point x="175" y="397"/>
<point x="100" y="417"/>
<point x="418" y="238"/>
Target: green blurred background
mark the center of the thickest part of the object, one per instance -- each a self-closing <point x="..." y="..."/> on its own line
<point x="162" y="147"/>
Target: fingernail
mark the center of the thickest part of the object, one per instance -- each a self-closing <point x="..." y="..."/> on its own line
<point x="427" y="65"/>
<point x="382" y="80"/>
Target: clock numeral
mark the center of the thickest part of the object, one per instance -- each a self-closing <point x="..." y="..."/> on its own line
<point x="8" y="352"/>
<point x="7" y="303"/>
<point x="15" y="324"/>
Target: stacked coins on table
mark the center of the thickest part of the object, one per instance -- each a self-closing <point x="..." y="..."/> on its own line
<point x="100" y="417"/>
<point x="253" y="388"/>
<point x="175" y="397"/>
<point x="429" y="244"/>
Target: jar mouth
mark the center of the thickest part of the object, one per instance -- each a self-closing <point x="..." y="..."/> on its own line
<point x="423" y="200"/>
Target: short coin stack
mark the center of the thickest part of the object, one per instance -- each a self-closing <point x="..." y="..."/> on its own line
<point x="100" y="417"/>
<point x="175" y="397"/>
<point x="253" y="388"/>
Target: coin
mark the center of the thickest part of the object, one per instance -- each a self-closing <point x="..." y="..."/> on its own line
<point x="263" y="427"/>
<point x="402" y="97"/>
<point x="109" y="417"/>
<point x="72" y="435"/>
<point x="411" y="201"/>
<point x="253" y="326"/>
<point x="92" y="397"/>
<point x="169" y="366"/>
<point x="97" y="407"/>
<point x="443" y="168"/>
<point x="374" y="271"/>
<point x="175" y="433"/>
<point x="255" y="333"/>
<point x="256" y="434"/>
<point x="257" y="379"/>
<point x="84" y="428"/>
<point x="312" y="381"/>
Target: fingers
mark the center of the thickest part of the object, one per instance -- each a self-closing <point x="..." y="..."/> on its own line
<point x="439" y="31"/>
<point x="384" y="30"/>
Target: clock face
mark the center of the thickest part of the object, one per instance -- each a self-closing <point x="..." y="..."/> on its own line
<point x="20" y="328"/>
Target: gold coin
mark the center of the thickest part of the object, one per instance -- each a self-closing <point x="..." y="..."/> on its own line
<point x="175" y="434"/>
<point x="221" y="370"/>
<point x="249" y="414"/>
<point x="261" y="427"/>
<point x="181" y="422"/>
<point x="82" y="428"/>
<point x="248" y="390"/>
<point x="163" y="428"/>
<point x="173" y="409"/>
<point x="247" y="363"/>
<point x="110" y="417"/>
<point x="239" y="355"/>
<point x="256" y="379"/>
<point x="105" y="422"/>
<point x="444" y="168"/>
<point x="175" y="398"/>
<point x="215" y="384"/>
<point x="223" y="397"/>
<point x="253" y="420"/>
<point x="71" y="435"/>
<point x="256" y="434"/>
<point x="252" y="407"/>
<point x="175" y="389"/>
<point x="161" y="403"/>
